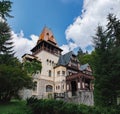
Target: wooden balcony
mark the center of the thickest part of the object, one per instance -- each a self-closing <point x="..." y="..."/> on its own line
<point x="79" y="75"/>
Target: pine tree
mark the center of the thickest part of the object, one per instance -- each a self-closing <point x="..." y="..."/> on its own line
<point x="113" y="33"/>
<point x="5" y="9"/>
<point x="6" y="44"/>
<point x="107" y="63"/>
<point x="100" y="66"/>
<point x="13" y="77"/>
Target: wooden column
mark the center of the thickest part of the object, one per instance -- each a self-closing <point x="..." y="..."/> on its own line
<point x="69" y="85"/>
<point x="43" y="46"/>
<point x="81" y="86"/>
<point x="77" y="83"/>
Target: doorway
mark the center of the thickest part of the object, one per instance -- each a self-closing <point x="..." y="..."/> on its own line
<point x="74" y="88"/>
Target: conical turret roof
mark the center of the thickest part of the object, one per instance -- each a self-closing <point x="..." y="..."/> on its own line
<point x="47" y="35"/>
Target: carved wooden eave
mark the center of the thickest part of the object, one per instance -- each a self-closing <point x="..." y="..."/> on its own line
<point x="79" y="75"/>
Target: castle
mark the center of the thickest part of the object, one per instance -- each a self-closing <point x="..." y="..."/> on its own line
<point x="62" y="76"/>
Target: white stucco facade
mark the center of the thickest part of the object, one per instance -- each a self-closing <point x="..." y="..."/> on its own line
<point x="61" y="75"/>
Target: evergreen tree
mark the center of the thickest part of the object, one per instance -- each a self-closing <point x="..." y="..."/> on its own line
<point x="6" y="44"/>
<point x="13" y="77"/>
<point x="80" y="56"/>
<point x="80" y="52"/>
<point x="84" y="57"/>
<point x="107" y="63"/>
<point x="100" y="71"/>
<point x="113" y="32"/>
<point x="5" y="9"/>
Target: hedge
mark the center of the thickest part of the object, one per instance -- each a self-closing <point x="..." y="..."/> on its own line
<point x="51" y="106"/>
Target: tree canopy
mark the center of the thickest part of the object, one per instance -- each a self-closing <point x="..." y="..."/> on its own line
<point x="32" y="66"/>
<point x="85" y="57"/>
<point x="6" y="44"/>
<point x="13" y="77"/>
<point x="107" y="63"/>
<point x="5" y="9"/>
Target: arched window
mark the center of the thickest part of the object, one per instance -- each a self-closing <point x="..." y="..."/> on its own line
<point x="35" y="86"/>
<point x="47" y="33"/>
<point x="50" y="73"/>
<point x="63" y="73"/>
<point x="49" y="88"/>
<point x="58" y="73"/>
<point x="58" y="87"/>
<point x="53" y="63"/>
<point x="50" y="62"/>
<point x="47" y="61"/>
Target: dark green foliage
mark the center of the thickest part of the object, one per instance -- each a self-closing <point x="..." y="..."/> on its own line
<point x="84" y="57"/>
<point x="12" y="79"/>
<point x="32" y="66"/>
<point x="107" y="63"/>
<point x="31" y="100"/>
<point x="12" y="75"/>
<point x="80" y="56"/>
<point x="6" y="44"/>
<point x="15" y="107"/>
<point x="5" y="9"/>
<point x="49" y="106"/>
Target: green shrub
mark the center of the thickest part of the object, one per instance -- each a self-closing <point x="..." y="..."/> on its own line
<point x="31" y="100"/>
<point x="51" y="106"/>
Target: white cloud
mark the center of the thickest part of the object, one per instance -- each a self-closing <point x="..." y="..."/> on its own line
<point x="94" y="12"/>
<point x="80" y="32"/>
<point x="66" y="48"/>
<point x="23" y="45"/>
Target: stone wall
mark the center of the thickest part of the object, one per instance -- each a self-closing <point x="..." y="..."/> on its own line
<point x="83" y="97"/>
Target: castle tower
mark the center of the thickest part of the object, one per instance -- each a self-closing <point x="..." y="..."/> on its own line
<point x="48" y="52"/>
<point x="47" y="43"/>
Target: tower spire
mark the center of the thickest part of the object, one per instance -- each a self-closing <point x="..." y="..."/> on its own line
<point x="47" y="35"/>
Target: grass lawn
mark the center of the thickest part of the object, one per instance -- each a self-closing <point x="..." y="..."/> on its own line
<point x="14" y="107"/>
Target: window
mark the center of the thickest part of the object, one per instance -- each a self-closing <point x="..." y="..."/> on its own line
<point x="35" y="86"/>
<point x="58" y="73"/>
<point x="63" y="73"/>
<point x="49" y="88"/>
<point x="70" y="73"/>
<point x="58" y="87"/>
<point x="47" y="61"/>
<point x="37" y="72"/>
<point x="47" y="33"/>
<point x="63" y="86"/>
<point x="50" y="73"/>
<point x="50" y="62"/>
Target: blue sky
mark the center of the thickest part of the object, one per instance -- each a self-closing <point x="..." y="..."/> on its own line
<point x="73" y="22"/>
<point x="32" y="15"/>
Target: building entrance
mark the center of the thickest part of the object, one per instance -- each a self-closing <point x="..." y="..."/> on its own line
<point x="74" y="88"/>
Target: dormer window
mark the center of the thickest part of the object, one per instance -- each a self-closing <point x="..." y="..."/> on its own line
<point x="47" y="61"/>
<point x="63" y="73"/>
<point x="58" y="73"/>
<point x="47" y="33"/>
<point x="52" y="36"/>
